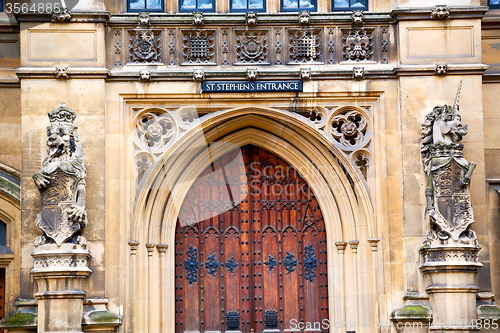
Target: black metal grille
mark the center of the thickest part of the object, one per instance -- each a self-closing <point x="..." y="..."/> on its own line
<point x="233" y="320"/>
<point x="271" y="319"/>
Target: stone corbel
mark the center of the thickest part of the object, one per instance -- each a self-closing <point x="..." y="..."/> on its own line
<point x="305" y="73"/>
<point x="62" y="72"/>
<point x="134" y="245"/>
<point x="144" y="19"/>
<point x="440" y="12"/>
<point x="145" y="75"/>
<point x="354" y="246"/>
<point x="341" y="246"/>
<point x="251" y="18"/>
<point x="198" y="18"/>
<point x="64" y="16"/>
<point x="358" y="73"/>
<point x="304" y="17"/>
<point x="199" y="74"/>
<point x="357" y="17"/>
<point x="441" y="69"/>
<point x="374" y="243"/>
<point x="252" y="74"/>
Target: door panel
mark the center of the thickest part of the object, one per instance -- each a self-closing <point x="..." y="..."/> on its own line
<point x="250" y="248"/>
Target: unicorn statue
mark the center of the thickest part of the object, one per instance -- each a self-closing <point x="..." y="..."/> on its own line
<point x="448" y="187"/>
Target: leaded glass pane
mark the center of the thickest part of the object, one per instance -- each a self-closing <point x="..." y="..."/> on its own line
<point x="239" y="4"/>
<point x="154" y="4"/>
<point x="188" y="4"/>
<point x="255" y="4"/>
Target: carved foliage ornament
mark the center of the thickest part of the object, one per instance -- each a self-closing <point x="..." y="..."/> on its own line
<point x="61" y="180"/>
<point x="358" y="45"/>
<point x="145" y="46"/>
<point x="251" y="46"/>
<point x="448" y="188"/>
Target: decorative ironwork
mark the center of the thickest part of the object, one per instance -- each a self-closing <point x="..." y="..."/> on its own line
<point x="304" y="46"/>
<point x="310" y="262"/>
<point x="271" y="318"/>
<point x="233" y="321"/>
<point x="251" y="46"/>
<point x="145" y="46"/>
<point x="191" y="265"/>
<point x="357" y="45"/>
<point x="231" y="265"/>
<point x="198" y="46"/>
<point x="211" y="264"/>
<point x="290" y="262"/>
<point x="271" y="263"/>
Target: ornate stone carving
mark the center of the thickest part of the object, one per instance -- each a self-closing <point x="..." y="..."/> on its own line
<point x="357" y="17"/>
<point x="145" y="75"/>
<point x="357" y="45"/>
<point x="144" y="18"/>
<point x="362" y="162"/>
<point x="198" y="18"/>
<point x="440" y="12"/>
<point x="198" y="74"/>
<point x="251" y="46"/>
<point x="145" y="46"/>
<point x="304" y="45"/>
<point x="441" y="69"/>
<point x="252" y="73"/>
<point x="358" y="73"/>
<point x="61" y="181"/>
<point x="64" y="16"/>
<point x="449" y="255"/>
<point x="448" y="187"/>
<point x="62" y="72"/>
<point x="198" y="46"/>
<point x="305" y="73"/>
<point x="304" y="17"/>
<point x="251" y="18"/>
<point x="155" y="131"/>
<point x="349" y="129"/>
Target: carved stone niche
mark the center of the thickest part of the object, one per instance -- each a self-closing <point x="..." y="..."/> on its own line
<point x="145" y="46"/>
<point x="251" y="47"/>
<point x="304" y="46"/>
<point x="198" y="46"/>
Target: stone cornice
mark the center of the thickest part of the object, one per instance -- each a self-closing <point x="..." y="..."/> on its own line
<point x="239" y="18"/>
<point x="341" y="72"/>
<point x="462" y="12"/>
<point x="77" y="16"/>
<point x="49" y="73"/>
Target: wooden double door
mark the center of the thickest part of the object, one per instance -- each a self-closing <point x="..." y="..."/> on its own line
<point x="250" y="248"/>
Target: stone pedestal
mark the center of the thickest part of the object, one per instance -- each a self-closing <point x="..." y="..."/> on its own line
<point x="60" y="272"/>
<point x="451" y="273"/>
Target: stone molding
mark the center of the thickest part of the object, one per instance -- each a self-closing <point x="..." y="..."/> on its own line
<point x="50" y="259"/>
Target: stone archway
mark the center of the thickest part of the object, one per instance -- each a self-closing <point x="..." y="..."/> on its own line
<point x="345" y="209"/>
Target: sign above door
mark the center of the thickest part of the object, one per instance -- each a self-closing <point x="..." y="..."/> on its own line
<point x="254" y="86"/>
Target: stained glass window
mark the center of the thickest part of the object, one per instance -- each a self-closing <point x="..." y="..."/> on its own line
<point x="197" y="5"/>
<point x="248" y="5"/>
<point x="351" y="4"/>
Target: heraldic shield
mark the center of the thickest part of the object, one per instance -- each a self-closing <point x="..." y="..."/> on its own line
<point x="452" y="199"/>
<point x="57" y="199"/>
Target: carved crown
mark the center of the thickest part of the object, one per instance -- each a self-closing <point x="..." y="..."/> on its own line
<point x="62" y="115"/>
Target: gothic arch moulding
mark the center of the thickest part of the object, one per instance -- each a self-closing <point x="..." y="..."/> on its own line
<point x="339" y="187"/>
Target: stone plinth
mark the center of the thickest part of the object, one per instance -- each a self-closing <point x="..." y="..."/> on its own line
<point x="451" y="273"/>
<point x="60" y="272"/>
